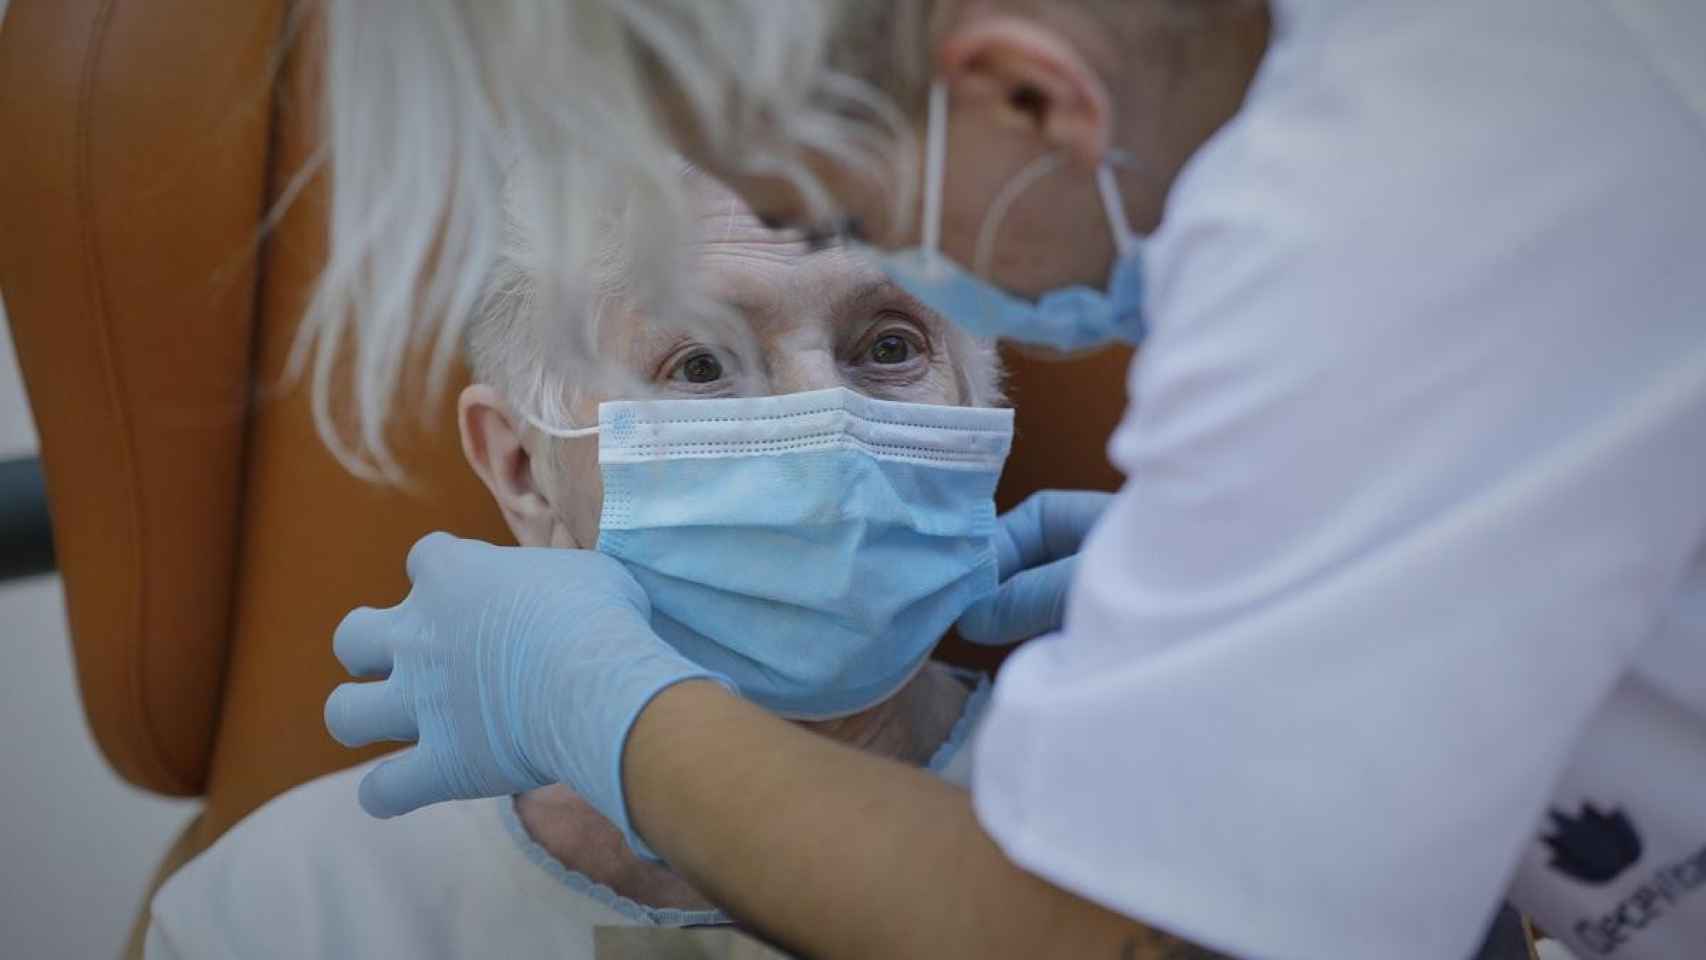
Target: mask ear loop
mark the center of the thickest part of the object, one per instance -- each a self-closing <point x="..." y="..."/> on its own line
<point x="935" y="160"/>
<point x="983" y="251"/>
<point x="1126" y="240"/>
<point x="564" y="433"/>
<point x="935" y="164"/>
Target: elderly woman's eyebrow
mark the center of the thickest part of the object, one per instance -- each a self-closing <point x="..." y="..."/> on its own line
<point x="879" y="291"/>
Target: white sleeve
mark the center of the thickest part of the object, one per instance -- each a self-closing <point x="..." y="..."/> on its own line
<point x="1416" y="455"/>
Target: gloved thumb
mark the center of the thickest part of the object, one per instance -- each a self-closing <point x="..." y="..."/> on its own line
<point x="1028" y="604"/>
<point x="405" y="782"/>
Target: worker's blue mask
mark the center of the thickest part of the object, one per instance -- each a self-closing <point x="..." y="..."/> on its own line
<point x="1070" y="318"/>
<point x="811" y="547"/>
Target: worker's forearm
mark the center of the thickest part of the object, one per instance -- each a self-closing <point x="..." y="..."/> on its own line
<point x="836" y="853"/>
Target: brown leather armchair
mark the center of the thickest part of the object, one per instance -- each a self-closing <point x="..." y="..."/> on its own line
<point x="207" y="541"/>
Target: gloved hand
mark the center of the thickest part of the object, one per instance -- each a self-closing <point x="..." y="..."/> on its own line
<point x="513" y="667"/>
<point x="1036" y="549"/>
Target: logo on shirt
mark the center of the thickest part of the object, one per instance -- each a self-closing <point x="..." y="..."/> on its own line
<point x="1592" y="847"/>
<point x="1646" y="905"/>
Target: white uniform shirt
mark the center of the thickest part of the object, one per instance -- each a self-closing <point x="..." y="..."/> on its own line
<point x="1412" y="551"/>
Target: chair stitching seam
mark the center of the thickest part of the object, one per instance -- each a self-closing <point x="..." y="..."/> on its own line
<point x="154" y="758"/>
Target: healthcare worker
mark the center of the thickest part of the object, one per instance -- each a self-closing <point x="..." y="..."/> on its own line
<point x="1402" y="608"/>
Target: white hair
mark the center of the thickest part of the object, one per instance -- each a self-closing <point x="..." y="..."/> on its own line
<point x="541" y="368"/>
<point x="430" y="103"/>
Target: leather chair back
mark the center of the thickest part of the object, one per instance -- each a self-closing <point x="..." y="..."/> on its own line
<point x="207" y="541"/>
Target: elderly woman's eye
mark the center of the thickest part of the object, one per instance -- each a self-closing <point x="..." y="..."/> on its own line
<point x="701" y="367"/>
<point x="891" y="349"/>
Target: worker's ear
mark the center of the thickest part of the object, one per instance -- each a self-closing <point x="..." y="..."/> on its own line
<point x="1023" y="76"/>
<point x="492" y="442"/>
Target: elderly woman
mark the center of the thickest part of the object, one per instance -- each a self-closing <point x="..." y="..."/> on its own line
<point x="1400" y="607"/>
<point x="310" y="875"/>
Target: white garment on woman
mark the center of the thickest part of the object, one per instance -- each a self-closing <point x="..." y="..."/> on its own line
<point x="1404" y="602"/>
<point x="311" y="875"/>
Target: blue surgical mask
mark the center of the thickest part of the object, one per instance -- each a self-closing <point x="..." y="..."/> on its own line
<point x="1070" y="318"/>
<point x="811" y="547"/>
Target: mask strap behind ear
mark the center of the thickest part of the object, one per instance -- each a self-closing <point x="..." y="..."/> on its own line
<point x="935" y="159"/>
<point x="935" y="162"/>
<point x="984" y="249"/>
<point x="1113" y="205"/>
<point x="566" y="433"/>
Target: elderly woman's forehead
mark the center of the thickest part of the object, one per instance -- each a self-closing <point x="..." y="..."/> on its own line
<point x="734" y="244"/>
<point x="721" y="217"/>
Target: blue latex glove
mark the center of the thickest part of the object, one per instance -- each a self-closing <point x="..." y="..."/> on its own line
<point x="1036" y="550"/>
<point x="513" y="667"/>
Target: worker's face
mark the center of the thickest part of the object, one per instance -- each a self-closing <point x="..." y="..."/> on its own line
<point x="1048" y="88"/>
<point x="814" y="319"/>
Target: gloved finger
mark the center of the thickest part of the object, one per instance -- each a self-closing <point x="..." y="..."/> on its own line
<point x="1047" y="526"/>
<point x="603" y="575"/>
<point x="1029" y="604"/>
<point x="404" y="783"/>
<point x="427" y="551"/>
<point x="364" y="643"/>
<point x="361" y="713"/>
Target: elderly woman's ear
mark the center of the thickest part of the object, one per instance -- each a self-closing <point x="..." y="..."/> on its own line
<point x="492" y="444"/>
